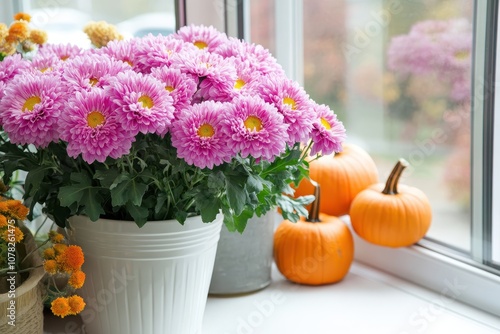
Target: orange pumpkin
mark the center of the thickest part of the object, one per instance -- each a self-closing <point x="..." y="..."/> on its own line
<point x="315" y="251"/>
<point x="392" y="215"/>
<point x="342" y="176"/>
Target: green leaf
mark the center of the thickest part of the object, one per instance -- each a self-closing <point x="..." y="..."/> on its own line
<point x="83" y="194"/>
<point x="34" y="179"/>
<point x="106" y="176"/>
<point x="127" y="189"/>
<point x="138" y="213"/>
<point x="240" y="221"/>
<point x="208" y="206"/>
<point x="255" y="183"/>
<point x="181" y="216"/>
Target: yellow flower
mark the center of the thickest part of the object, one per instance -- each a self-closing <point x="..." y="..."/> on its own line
<point x="101" y="33"/>
<point x="38" y="36"/>
<point x="50" y="266"/>
<point x="4" y="32"/>
<point x="7" y="48"/>
<point x="49" y="253"/>
<point x="59" y="248"/>
<point x="13" y="235"/>
<point x="22" y="16"/>
<point x="16" y="209"/>
<point x="77" y="279"/>
<point x="18" y="32"/>
<point x="60" y="307"/>
<point x="76" y="304"/>
<point x="56" y="237"/>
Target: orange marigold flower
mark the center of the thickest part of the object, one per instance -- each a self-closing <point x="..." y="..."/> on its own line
<point x="22" y="16"/>
<point x="13" y="235"/>
<point x="76" y="304"/>
<point x="38" y="36"/>
<point x="73" y="258"/>
<point x="60" y="248"/>
<point x="49" y="253"/>
<point x="56" y="237"/>
<point x="60" y="307"/>
<point x="77" y="279"/>
<point x="18" y="31"/>
<point x="50" y="266"/>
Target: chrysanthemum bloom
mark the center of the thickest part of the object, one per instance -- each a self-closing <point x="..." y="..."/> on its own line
<point x="18" y="32"/>
<point x="11" y="66"/>
<point x="259" y="58"/>
<point x="59" y="248"/>
<point x="13" y="235"/>
<point x="90" y="127"/>
<point x="292" y="102"/>
<point x="76" y="304"/>
<point x="180" y="86"/>
<point x="3" y="221"/>
<point x="255" y="128"/>
<point x="61" y="51"/>
<point x="4" y="31"/>
<point x="49" y="253"/>
<point x="198" y="135"/>
<point x="22" y="16"/>
<point x="55" y="237"/>
<point x="60" y="307"/>
<point x="248" y="80"/>
<point x="31" y="108"/>
<point x="156" y="51"/>
<point x="101" y="33"/>
<point x="142" y="103"/>
<point x="7" y="48"/>
<point x="123" y="50"/>
<point x="206" y="38"/>
<point x="72" y="259"/>
<point x="38" y="36"/>
<point x="45" y="63"/>
<point x="77" y="279"/>
<point x="50" y="266"/>
<point x="216" y="74"/>
<point x="89" y="71"/>
<point x="328" y="133"/>
<point x="16" y="209"/>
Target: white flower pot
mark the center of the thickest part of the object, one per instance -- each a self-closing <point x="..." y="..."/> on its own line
<point x="150" y="280"/>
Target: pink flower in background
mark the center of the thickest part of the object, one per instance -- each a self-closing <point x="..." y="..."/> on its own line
<point x="45" y="63"/>
<point x="199" y="137"/>
<point x="328" y="132"/>
<point x="255" y="128"/>
<point x="203" y="37"/>
<point x="124" y="50"/>
<point x="91" y="128"/>
<point x="142" y="103"/>
<point x="61" y="51"/>
<point x="11" y="66"/>
<point x="30" y="108"/>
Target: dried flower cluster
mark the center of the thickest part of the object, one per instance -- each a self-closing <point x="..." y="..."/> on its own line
<point x="101" y="33"/>
<point x="19" y="36"/>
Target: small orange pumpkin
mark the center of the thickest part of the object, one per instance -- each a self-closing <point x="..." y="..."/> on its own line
<point x="315" y="251"/>
<point x="342" y="176"/>
<point x="392" y="215"/>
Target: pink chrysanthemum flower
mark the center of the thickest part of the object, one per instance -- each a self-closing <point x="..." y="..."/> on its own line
<point x="180" y="86"/>
<point x="143" y="104"/>
<point x="461" y="89"/>
<point x="217" y="75"/>
<point x="293" y="103"/>
<point x="11" y="66"/>
<point x="156" y="51"/>
<point x="91" y="129"/>
<point x="457" y="54"/>
<point x="205" y="38"/>
<point x="90" y="70"/>
<point x="255" y="128"/>
<point x="328" y="133"/>
<point x="199" y="137"/>
<point x="247" y="79"/>
<point x="61" y="51"/>
<point x="31" y="108"/>
<point x="46" y="63"/>
<point x="259" y="58"/>
<point x="123" y="50"/>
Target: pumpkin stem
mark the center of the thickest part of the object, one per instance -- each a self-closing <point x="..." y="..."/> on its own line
<point x="391" y="186"/>
<point x="314" y="212"/>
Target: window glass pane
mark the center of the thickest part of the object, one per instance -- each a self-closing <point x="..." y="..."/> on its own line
<point x="64" y="20"/>
<point x="262" y="24"/>
<point x="398" y="74"/>
<point x="495" y="244"/>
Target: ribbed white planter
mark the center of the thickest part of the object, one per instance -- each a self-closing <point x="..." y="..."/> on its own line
<point x="150" y="280"/>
